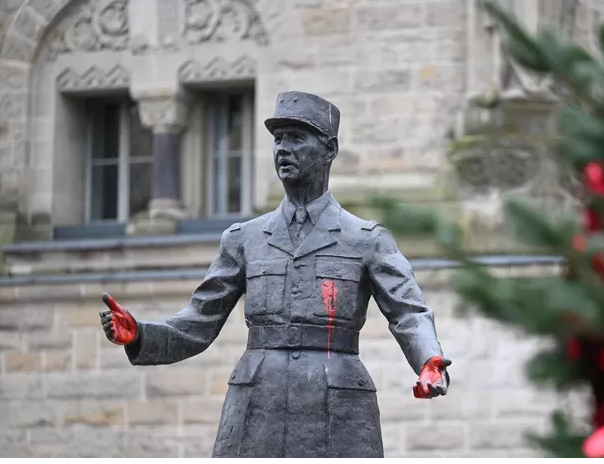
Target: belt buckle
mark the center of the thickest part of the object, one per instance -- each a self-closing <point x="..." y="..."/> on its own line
<point x="294" y="336"/>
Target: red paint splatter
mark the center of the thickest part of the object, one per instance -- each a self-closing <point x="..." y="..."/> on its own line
<point x="330" y="292"/>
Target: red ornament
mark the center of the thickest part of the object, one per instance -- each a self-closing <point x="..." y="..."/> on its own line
<point x="573" y="349"/>
<point x="598" y="263"/>
<point x="579" y="243"/>
<point x="591" y="221"/>
<point x="594" y="178"/>
<point x="593" y="447"/>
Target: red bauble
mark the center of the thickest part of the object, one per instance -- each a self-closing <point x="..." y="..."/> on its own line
<point x="598" y="263"/>
<point x="593" y="447"/>
<point x="591" y="221"/>
<point x="594" y="178"/>
<point x="573" y="349"/>
<point x="579" y="243"/>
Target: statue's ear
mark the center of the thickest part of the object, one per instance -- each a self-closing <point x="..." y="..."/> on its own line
<point x="332" y="150"/>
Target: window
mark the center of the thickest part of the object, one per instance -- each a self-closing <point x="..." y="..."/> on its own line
<point x="229" y="134"/>
<point x="120" y="161"/>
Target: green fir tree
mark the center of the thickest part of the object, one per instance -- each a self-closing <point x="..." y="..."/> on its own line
<point x="567" y="309"/>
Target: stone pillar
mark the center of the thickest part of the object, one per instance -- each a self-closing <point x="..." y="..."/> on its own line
<point x="165" y="113"/>
<point x="166" y="116"/>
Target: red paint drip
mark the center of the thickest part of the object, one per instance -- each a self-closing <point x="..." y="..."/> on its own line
<point x="330" y="292"/>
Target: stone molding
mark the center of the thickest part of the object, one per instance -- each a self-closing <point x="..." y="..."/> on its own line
<point x="217" y="69"/>
<point x="94" y="79"/>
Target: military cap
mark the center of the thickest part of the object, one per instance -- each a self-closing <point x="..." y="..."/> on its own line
<point x="305" y="108"/>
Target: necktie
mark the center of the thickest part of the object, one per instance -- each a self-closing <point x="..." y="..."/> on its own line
<point x="300" y="218"/>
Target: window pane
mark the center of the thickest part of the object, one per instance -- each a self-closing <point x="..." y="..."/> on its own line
<point x="104" y="193"/>
<point x="141" y="138"/>
<point x="106" y="132"/>
<point x="216" y="182"/>
<point x="234" y="185"/>
<point x="141" y="175"/>
<point x="235" y="122"/>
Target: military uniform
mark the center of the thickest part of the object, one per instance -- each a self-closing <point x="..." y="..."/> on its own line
<point x="300" y="389"/>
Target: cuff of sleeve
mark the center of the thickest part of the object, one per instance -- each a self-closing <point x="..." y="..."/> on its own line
<point x="133" y="349"/>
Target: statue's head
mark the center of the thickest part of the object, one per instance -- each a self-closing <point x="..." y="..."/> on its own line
<point x="305" y="131"/>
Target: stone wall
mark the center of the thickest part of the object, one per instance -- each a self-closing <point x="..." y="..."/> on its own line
<point x="65" y="391"/>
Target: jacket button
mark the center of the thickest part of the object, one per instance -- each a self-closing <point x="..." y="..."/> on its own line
<point x="295" y="354"/>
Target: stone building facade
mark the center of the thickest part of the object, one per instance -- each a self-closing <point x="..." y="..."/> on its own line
<point x="131" y="135"/>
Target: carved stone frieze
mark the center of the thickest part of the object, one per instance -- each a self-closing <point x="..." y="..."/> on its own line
<point x="163" y="113"/>
<point x="222" y="21"/>
<point x="217" y="69"/>
<point x="93" y="79"/>
<point x="91" y="26"/>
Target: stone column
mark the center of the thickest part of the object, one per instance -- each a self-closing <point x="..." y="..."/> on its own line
<point x="165" y="113"/>
<point x="166" y="116"/>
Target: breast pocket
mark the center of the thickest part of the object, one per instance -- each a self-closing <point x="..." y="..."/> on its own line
<point x="265" y="286"/>
<point x="338" y="280"/>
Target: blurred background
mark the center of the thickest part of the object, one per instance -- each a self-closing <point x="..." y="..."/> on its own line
<point x="132" y="135"/>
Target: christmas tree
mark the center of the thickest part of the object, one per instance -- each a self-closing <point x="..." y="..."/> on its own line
<point x="567" y="309"/>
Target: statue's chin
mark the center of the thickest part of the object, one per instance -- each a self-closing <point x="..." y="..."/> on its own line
<point x="289" y="178"/>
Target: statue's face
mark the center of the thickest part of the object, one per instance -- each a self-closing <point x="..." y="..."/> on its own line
<point x="299" y="155"/>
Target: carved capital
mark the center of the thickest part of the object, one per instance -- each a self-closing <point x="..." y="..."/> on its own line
<point x="164" y="113"/>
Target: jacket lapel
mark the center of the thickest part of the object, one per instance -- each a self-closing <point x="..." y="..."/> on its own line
<point x="279" y="233"/>
<point x="320" y="236"/>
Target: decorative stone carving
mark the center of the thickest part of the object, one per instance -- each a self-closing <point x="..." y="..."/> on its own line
<point x="163" y="113"/>
<point x="217" y="69"/>
<point x="92" y="26"/>
<point x="93" y="79"/>
<point x="139" y="45"/>
<point x="222" y="21"/>
<point x="510" y="80"/>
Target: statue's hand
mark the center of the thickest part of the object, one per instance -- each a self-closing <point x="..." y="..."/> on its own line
<point x="118" y="323"/>
<point x="433" y="379"/>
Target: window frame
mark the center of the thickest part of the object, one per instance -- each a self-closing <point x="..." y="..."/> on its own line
<point x="124" y="158"/>
<point x="215" y="127"/>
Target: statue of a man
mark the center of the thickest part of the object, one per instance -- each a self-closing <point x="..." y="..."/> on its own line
<point x="308" y="270"/>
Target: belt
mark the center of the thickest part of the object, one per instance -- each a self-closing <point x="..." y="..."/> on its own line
<point x="303" y="337"/>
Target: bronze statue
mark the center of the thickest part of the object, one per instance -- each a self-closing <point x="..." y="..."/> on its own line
<point x="308" y="270"/>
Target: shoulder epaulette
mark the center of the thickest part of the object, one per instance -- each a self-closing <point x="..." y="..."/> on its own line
<point x="234" y="227"/>
<point x="370" y="225"/>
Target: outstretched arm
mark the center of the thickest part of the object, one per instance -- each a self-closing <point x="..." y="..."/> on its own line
<point x="411" y="322"/>
<point x="193" y="329"/>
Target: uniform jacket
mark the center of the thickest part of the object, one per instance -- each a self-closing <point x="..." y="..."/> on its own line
<point x="297" y="403"/>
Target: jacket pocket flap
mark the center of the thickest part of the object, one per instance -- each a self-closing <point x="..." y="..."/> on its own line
<point x="327" y="268"/>
<point x="260" y="268"/>
<point x="348" y="375"/>
<point x="246" y="369"/>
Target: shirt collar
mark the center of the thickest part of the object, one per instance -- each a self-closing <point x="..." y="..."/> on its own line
<point x="314" y="208"/>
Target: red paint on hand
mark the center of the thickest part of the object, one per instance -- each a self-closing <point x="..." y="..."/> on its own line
<point x="431" y="381"/>
<point x="329" y="290"/>
<point x="123" y="325"/>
